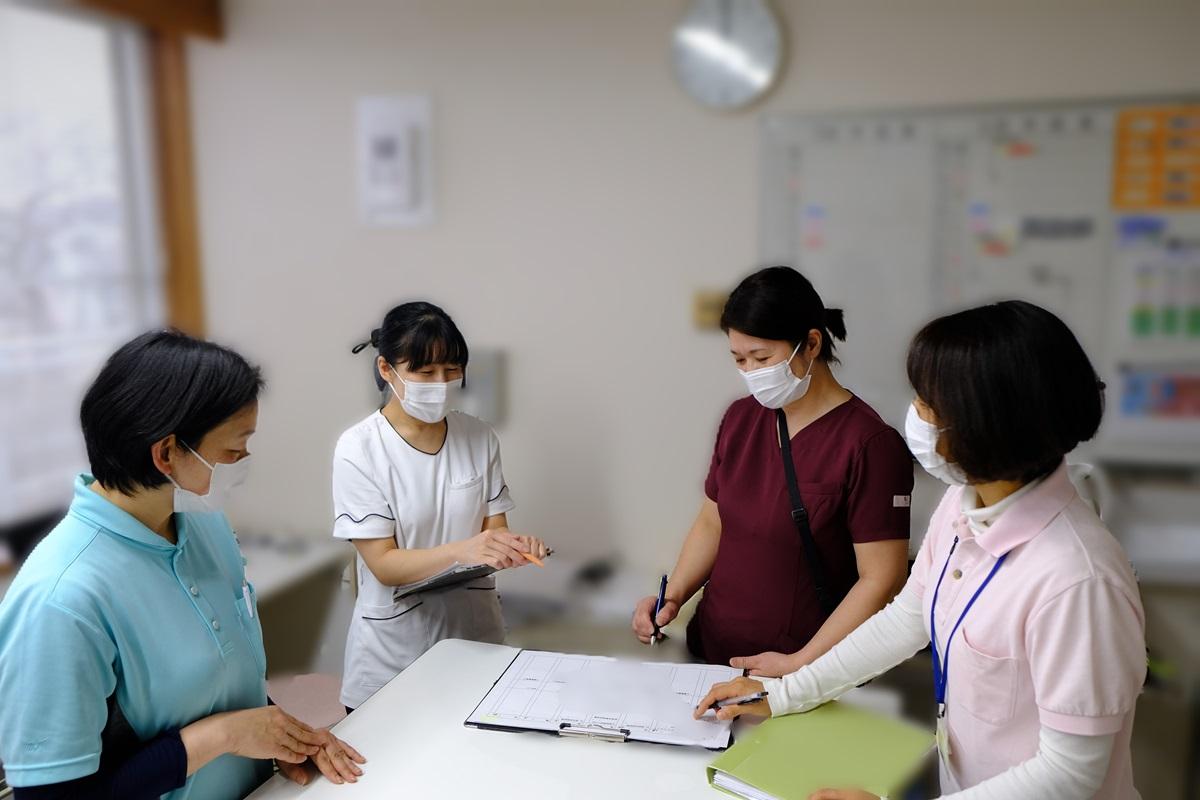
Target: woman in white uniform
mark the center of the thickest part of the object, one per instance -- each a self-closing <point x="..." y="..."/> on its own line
<point x="418" y="488"/>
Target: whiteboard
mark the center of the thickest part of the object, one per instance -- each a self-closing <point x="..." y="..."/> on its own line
<point x="900" y="216"/>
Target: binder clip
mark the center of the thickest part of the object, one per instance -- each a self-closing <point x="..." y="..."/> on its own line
<point x="594" y="732"/>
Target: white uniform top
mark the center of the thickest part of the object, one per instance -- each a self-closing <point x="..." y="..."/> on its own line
<point x="383" y="487"/>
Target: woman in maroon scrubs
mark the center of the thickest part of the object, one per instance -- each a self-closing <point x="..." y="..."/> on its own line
<point x="777" y="595"/>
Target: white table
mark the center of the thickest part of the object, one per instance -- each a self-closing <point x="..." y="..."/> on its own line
<point x="413" y="736"/>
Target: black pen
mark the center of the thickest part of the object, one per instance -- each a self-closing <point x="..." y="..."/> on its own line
<point x="744" y="700"/>
<point x="662" y="599"/>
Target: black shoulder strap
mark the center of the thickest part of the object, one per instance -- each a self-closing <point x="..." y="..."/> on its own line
<point x="800" y="517"/>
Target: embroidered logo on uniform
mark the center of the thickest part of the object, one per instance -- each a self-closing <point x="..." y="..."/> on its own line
<point x="901" y="500"/>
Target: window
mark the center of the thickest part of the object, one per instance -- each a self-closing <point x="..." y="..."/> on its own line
<point x="79" y="258"/>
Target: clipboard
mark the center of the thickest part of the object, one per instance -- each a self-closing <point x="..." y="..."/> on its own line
<point x="523" y="699"/>
<point x="452" y="576"/>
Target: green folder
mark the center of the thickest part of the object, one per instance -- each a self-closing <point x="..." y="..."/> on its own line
<point x="834" y="746"/>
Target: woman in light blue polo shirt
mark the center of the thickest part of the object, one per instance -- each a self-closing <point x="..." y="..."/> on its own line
<point x="131" y="658"/>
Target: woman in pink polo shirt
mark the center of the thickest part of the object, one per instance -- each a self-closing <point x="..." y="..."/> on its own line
<point x="1029" y="604"/>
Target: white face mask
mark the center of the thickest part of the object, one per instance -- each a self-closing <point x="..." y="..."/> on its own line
<point x="427" y="402"/>
<point x="922" y="439"/>
<point x="225" y="478"/>
<point x="776" y="386"/>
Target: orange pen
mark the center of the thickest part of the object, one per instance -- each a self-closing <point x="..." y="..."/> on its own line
<point x="532" y="559"/>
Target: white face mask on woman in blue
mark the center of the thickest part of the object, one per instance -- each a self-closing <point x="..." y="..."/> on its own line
<point x="225" y="478"/>
<point x="922" y="440"/>
<point x="776" y="386"/>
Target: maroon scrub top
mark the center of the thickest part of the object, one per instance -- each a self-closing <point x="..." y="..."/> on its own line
<point x="856" y="479"/>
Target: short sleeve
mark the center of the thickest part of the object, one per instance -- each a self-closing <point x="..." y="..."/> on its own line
<point x="359" y="508"/>
<point x="712" y="484"/>
<point x="56" y="673"/>
<point x="1087" y="658"/>
<point x="879" y="494"/>
<point x="499" y="499"/>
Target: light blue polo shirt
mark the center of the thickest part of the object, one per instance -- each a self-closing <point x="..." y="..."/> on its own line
<point x="104" y="607"/>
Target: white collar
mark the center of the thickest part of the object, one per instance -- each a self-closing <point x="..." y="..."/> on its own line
<point x="981" y="518"/>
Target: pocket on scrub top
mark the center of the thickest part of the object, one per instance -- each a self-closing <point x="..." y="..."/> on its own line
<point x="391" y="611"/>
<point x="387" y="638"/>
<point x="988" y="690"/>
<point x="465" y="503"/>
<point x="464" y="483"/>
<point x="822" y="502"/>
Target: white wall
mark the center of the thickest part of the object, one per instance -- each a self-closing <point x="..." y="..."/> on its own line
<point x="581" y="198"/>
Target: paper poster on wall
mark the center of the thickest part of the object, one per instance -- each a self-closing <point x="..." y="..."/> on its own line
<point x="1159" y="281"/>
<point x="1159" y="404"/>
<point x="395" y="160"/>
<point x="1157" y="164"/>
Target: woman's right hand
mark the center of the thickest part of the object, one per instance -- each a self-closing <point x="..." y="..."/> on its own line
<point x="497" y="548"/>
<point x="269" y="732"/>
<point x="643" y="625"/>
<point x="738" y="687"/>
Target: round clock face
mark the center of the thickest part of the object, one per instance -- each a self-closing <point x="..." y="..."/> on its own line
<point x="727" y="53"/>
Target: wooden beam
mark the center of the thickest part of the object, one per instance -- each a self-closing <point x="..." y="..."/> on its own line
<point x="191" y="17"/>
<point x="177" y="182"/>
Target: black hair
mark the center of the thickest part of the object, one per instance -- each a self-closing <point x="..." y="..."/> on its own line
<point x="779" y="303"/>
<point x="160" y="383"/>
<point x="1011" y="387"/>
<point x="417" y="334"/>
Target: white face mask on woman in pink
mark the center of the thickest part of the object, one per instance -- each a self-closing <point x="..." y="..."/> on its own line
<point x="922" y="440"/>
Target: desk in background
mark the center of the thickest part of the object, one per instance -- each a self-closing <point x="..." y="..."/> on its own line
<point x="297" y="582"/>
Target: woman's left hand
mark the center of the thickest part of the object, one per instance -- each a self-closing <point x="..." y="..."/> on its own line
<point x="336" y="760"/>
<point x="767" y="665"/>
<point x="842" y="794"/>
<point x="534" y="546"/>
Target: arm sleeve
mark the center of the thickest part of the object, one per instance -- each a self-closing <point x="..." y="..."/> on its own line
<point x="892" y="635"/>
<point x="879" y="494"/>
<point x="59" y="682"/>
<point x="360" y="510"/>
<point x="1067" y="767"/>
<point x="1087" y="658"/>
<point x="499" y="499"/>
<point x="712" y="486"/>
<point x="157" y="767"/>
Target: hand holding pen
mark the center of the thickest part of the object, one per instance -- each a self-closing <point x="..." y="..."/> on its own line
<point x="734" y="698"/>
<point x="658" y="606"/>
<point x="653" y="613"/>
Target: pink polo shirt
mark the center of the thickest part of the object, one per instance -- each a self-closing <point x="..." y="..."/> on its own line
<point x="1056" y="639"/>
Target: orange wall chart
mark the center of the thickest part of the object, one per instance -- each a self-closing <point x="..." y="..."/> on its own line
<point x="1157" y="159"/>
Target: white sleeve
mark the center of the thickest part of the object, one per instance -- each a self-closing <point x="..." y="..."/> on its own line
<point x="499" y="500"/>
<point x="893" y="634"/>
<point x="360" y="510"/>
<point x="1068" y="766"/>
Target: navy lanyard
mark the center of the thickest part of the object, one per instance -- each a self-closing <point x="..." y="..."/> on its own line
<point x="941" y="667"/>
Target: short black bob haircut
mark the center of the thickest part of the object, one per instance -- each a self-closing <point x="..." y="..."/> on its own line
<point x="417" y="335"/>
<point x="1011" y="387"/>
<point x="779" y="303"/>
<point x="160" y="383"/>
